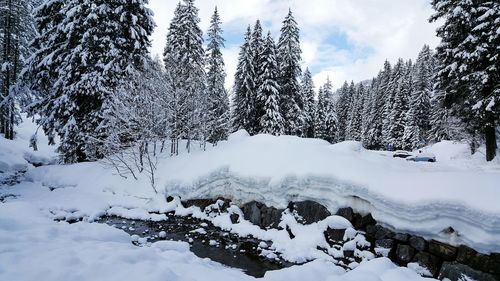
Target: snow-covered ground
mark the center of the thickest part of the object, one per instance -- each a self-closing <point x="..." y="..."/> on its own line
<point x="459" y="190"/>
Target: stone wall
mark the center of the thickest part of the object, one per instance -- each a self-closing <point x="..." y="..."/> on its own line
<point x="440" y="259"/>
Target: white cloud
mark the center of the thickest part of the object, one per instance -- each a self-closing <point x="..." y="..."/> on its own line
<point x="388" y="28"/>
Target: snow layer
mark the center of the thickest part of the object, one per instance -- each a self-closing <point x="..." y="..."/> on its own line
<point x="459" y="190"/>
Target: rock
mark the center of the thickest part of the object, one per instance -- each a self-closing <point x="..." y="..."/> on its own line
<point x="418" y="243"/>
<point x="402" y="237"/>
<point x="430" y="262"/>
<point x="201" y="203"/>
<point x="261" y="215"/>
<point x="252" y="213"/>
<point x="170" y="198"/>
<point x="383" y="232"/>
<point x="346" y="213"/>
<point x="404" y="254"/>
<point x="336" y="235"/>
<point x="348" y="253"/>
<point x="365" y="221"/>
<point x="370" y="230"/>
<point x="465" y="254"/>
<point x="457" y="272"/>
<point x="290" y="233"/>
<point x="235" y="218"/>
<point x="384" y="243"/>
<point x="487" y="263"/>
<point x="271" y="217"/>
<point x="495" y="261"/>
<point x="442" y="250"/>
<point x="310" y="211"/>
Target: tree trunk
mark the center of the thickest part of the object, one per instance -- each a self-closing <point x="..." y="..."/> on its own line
<point x="490" y="137"/>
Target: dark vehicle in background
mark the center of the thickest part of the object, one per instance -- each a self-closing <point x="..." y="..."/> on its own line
<point x="401" y="154"/>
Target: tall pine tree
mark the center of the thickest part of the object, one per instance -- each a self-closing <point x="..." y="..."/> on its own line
<point x="468" y="63"/>
<point x="326" y="118"/>
<point x="244" y="86"/>
<point x="218" y="101"/>
<point x="86" y="51"/>
<point x="308" y="113"/>
<point x="289" y="57"/>
<point x="268" y="93"/>
<point x="184" y="57"/>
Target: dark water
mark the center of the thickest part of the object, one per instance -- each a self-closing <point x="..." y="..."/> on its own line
<point x="226" y="248"/>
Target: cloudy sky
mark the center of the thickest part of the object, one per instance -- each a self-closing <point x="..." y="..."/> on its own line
<point x="341" y="39"/>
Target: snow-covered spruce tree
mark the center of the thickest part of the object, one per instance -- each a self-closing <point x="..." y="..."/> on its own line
<point x="256" y="109"/>
<point x="184" y="61"/>
<point x="443" y="125"/>
<point x="244" y="85"/>
<point x="373" y="138"/>
<point x="391" y="111"/>
<point x="342" y="108"/>
<point x="326" y="118"/>
<point x="289" y="57"/>
<point x="41" y="72"/>
<point x="308" y="113"/>
<point x="468" y="63"/>
<point x="92" y="48"/>
<point x="268" y="94"/>
<point x="369" y="100"/>
<point x="17" y="29"/>
<point x="355" y="119"/>
<point x="217" y="98"/>
<point x="423" y="91"/>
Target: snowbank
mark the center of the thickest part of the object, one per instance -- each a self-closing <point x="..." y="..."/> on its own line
<point x="459" y="190"/>
<point x="36" y="248"/>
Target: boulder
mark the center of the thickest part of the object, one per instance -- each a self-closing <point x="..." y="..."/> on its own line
<point x="382" y="232"/>
<point x="457" y="272"/>
<point x="428" y="261"/>
<point x="271" y="217"/>
<point x="487" y="263"/>
<point x="465" y="255"/>
<point x="310" y="211"/>
<point x="384" y="243"/>
<point x="201" y="203"/>
<point x="235" y="218"/>
<point x="418" y="243"/>
<point x="404" y="254"/>
<point x="334" y="235"/>
<point x="364" y="222"/>
<point x="252" y="213"/>
<point x="402" y="237"/>
<point x="442" y="250"/>
<point x="346" y="213"/>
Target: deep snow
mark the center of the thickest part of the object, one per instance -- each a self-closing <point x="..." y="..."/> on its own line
<point x="459" y="191"/>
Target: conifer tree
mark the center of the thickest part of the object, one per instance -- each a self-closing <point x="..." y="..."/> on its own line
<point x="257" y="43"/>
<point x="343" y="107"/>
<point x="289" y="57"/>
<point x="218" y="101"/>
<point x="373" y="139"/>
<point x="17" y="29"/>
<point x="184" y="56"/>
<point x="86" y="51"/>
<point x="244" y="86"/>
<point x="271" y="121"/>
<point x="468" y="63"/>
<point x="309" y="110"/>
<point x="326" y="118"/>
<point x="354" y="126"/>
